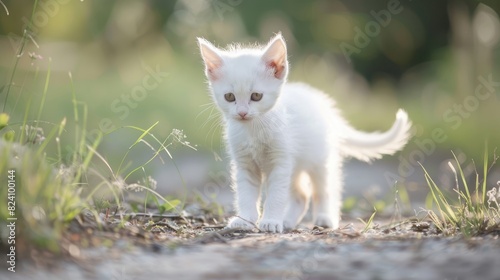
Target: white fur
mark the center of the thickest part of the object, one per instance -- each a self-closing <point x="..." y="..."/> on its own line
<point x="294" y="130"/>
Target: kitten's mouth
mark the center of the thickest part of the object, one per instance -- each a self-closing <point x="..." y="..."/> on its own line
<point x="243" y="119"/>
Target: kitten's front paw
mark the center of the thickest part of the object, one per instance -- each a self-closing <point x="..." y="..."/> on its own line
<point x="289" y="225"/>
<point x="325" y="220"/>
<point x="270" y="225"/>
<point x="237" y="222"/>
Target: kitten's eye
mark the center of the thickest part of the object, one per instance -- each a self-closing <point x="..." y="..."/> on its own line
<point x="229" y="97"/>
<point x="256" y="96"/>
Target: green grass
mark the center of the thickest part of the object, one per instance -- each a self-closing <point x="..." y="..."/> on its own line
<point x="369" y="223"/>
<point x="54" y="176"/>
<point x="472" y="210"/>
<point x="47" y="195"/>
<point x="52" y="188"/>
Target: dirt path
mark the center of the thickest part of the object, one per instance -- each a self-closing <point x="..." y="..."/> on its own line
<point x="390" y="253"/>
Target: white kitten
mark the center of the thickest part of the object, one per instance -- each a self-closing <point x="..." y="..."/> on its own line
<point x="277" y="132"/>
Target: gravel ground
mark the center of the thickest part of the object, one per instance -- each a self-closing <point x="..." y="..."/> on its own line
<point x="407" y="251"/>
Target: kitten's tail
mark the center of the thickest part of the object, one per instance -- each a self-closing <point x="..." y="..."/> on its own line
<point x="368" y="146"/>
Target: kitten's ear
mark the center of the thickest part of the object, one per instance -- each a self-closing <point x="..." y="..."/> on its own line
<point x="275" y="57"/>
<point x="210" y="56"/>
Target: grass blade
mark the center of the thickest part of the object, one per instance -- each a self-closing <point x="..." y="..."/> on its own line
<point x="143" y="134"/>
<point x="368" y="224"/>
<point x="485" y="174"/>
<point x="462" y="176"/>
<point x="45" y="89"/>
<point x="5" y="7"/>
<point x="20" y="51"/>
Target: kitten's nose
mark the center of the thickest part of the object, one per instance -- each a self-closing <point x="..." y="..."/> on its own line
<point x="242" y="114"/>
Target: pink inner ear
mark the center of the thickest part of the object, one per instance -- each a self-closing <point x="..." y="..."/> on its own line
<point x="213" y="65"/>
<point x="278" y="69"/>
<point x="212" y="73"/>
<point x="213" y="62"/>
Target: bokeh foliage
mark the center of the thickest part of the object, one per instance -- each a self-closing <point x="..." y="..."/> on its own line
<point x="427" y="59"/>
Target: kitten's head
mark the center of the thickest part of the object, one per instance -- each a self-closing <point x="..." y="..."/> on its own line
<point x="245" y="83"/>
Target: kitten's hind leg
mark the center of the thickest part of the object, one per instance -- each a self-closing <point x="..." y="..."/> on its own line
<point x="327" y="186"/>
<point x="299" y="202"/>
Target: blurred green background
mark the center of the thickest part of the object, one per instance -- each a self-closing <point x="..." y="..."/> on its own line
<point x="137" y="62"/>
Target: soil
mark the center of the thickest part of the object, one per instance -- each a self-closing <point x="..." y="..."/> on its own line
<point x="197" y="247"/>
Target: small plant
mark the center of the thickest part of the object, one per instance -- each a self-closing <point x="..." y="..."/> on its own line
<point x="45" y="198"/>
<point x="369" y="223"/>
<point x="49" y="187"/>
<point x="475" y="211"/>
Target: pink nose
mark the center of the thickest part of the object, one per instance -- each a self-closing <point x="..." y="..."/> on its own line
<point x="242" y="114"/>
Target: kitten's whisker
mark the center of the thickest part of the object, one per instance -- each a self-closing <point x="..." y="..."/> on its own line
<point x="210" y="105"/>
<point x="211" y="116"/>
<point x="207" y="104"/>
<point x="213" y="128"/>
<point x="209" y="119"/>
<point x="218" y="125"/>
